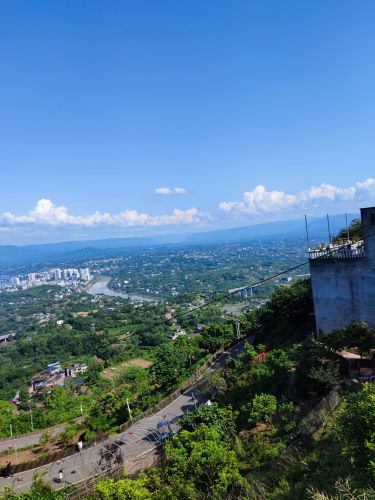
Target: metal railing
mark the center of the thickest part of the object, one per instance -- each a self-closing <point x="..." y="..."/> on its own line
<point x="339" y="252"/>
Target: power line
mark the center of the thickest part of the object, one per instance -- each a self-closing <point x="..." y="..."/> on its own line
<point x="229" y="294"/>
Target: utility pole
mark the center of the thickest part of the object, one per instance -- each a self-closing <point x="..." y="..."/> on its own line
<point x="15" y="445"/>
<point x="347" y="229"/>
<point x="329" y="230"/>
<point x="307" y="234"/>
<point x="31" y="417"/>
<point x="127" y="404"/>
<point x="238" y="329"/>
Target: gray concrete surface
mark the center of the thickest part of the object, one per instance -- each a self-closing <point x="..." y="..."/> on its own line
<point x="135" y="441"/>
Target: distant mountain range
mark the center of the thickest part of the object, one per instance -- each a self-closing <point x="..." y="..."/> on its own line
<point x="12" y="254"/>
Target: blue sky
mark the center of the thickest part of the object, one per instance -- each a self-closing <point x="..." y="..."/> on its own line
<point x="243" y="106"/>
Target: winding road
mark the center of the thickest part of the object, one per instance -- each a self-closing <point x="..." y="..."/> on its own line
<point x="30" y="439"/>
<point x="133" y="444"/>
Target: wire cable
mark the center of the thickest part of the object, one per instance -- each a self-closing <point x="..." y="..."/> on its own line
<point x="330" y="254"/>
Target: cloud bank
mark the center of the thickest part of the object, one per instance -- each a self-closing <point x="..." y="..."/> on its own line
<point x="46" y="213"/>
<point x="56" y="221"/>
<point x="166" y="191"/>
<point x="261" y="201"/>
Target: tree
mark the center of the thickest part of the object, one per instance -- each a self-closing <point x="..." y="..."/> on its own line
<point x="215" y="336"/>
<point x="172" y="362"/>
<point x="262" y="408"/>
<point x="5" y="418"/>
<point x="325" y="376"/>
<point x="201" y="463"/>
<point x="108" y="411"/>
<point x="317" y="368"/>
<point x="250" y="352"/>
<point x="360" y="336"/>
<point x="356" y="334"/>
<point x="24" y="398"/>
<point x="356" y="430"/>
<point x="354" y="230"/>
<point x="214" y="384"/>
<point x="222" y="419"/>
<point x="286" y="315"/>
<point x="124" y="489"/>
<point x="287" y="415"/>
<point x="56" y="399"/>
<point x="70" y="432"/>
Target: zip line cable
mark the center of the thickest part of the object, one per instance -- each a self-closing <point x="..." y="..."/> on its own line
<point x="330" y="252"/>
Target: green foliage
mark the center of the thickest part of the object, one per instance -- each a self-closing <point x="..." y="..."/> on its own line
<point x="263" y="449"/>
<point x="172" y="362"/>
<point x="317" y="368"/>
<point x="250" y="352"/>
<point x="250" y="379"/>
<point x="222" y="419"/>
<point x="355" y="232"/>
<point x="216" y="335"/>
<point x="287" y="315"/>
<point x="356" y="334"/>
<point x="124" y="489"/>
<point x="108" y="411"/>
<point x="214" y="384"/>
<point x="287" y="415"/>
<point x="5" y="418"/>
<point x="44" y="438"/>
<point x="261" y="409"/>
<point x="67" y="437"/>
<point x="356" y="429"/>
<point x="200" y="461"/>
<point x="56" y="400"/>
<point x="324" y="376"/>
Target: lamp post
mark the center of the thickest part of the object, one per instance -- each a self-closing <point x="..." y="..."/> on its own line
<point x="127" y="404"/>
<point x="15" y="445"/>
<point x="238" y="330"/>
<point x="31" y="417"/>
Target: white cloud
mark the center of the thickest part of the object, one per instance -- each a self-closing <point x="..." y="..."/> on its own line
<point x="367" y="186"/>
<point x="166" y="191"/>
<point x="260" y="201"/>
<point x="46" y="213"/>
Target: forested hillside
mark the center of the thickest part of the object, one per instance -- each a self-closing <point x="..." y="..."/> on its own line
<point x="249" y="443"/>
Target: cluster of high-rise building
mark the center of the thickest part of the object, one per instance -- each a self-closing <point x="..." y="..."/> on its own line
<point x="62" y="276"/>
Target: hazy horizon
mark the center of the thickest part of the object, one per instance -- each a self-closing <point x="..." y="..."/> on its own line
<point x="338" y="220"/>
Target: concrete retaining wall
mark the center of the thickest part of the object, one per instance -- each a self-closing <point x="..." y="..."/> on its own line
<point x="317" y="417"/>
<point x="344" y="288"/>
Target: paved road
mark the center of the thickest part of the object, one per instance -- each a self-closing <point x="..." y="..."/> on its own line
<point x="23" y="441"/>
<point x="134" y="442"/>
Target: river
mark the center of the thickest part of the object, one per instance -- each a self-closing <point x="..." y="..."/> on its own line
<point x="101" y="288"/>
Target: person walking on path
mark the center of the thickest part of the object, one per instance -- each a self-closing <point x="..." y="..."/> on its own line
<point x="80" y="445"/>
<point x="61" y="476"/>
